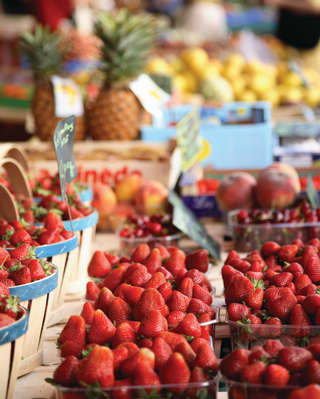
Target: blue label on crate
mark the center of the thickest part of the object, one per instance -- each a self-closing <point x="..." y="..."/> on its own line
<point x="82" y="223"/>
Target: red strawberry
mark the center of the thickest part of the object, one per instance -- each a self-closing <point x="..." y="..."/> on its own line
<point x="198" y="260"/>
<point x="121" y="389"/>
<point x="99" y="265"/>
<point x="154" y="261"/>
<point x="21" y="275"/>
<point x="253" y="373"/>
<point x="312" y="268"/>
<point x="279" y="301"/>
<point x="163" y="251"/>
<point x="97" y="367"/>
<point x="144" y="375"/>
<point x="227" y="274"/>
<point x="92" y="291"/>
<point x="140" y="253"/>
<point x="36" y="270"/>
<point x="173" y="339"/>
<point x="151" y="299"/>
<point x="309" y="290"/>
<point x="4" y="255"/>
<point x="162" y="352"/>
<point x="104" y="299"/>
<point x="315" y="350"/>
<point x="102" y="328"/>
<point x="145" y="343"/>
<point x="238" y="289"/>
<point x="197" y="377"/>
<point x="282" y="279"/>
<point x="301" y="322"/>
<point x="273" y="347"/>
<point x="66" y="234"/>
<point x="276" y="375"/>
<point x="3" y="272"/>
<point x="237" y="311"/>
<point x="124" y="333"/>
<point x="115" y="277"/>
<point x="52" y="221"/>
<point x="288" y="252"/>
<point x="295" y="268"/>
<point x="309" y="392"/>
<point x="254" y="275"/>
<point x="258" y="354"/>
<point x="294" y="358"/>
<point x="241" y="265"/>
<point x="152" y="324"/>
<point x="48" y="237"/>
<point x="198" y="307"/>
<point x="22" y="252"/>
<point x="176" y="263"/>
<point x="301" y="282"/>
<point x="129" y="293"/>
<point x="137" y="274"/>
<point x="134" y="324"/>
<point x="5" y="320"/>
<point x="178" y="301"/>
<point x="175" y="371"/>
<point x="205" y="329"/>
<point x="186" y="351"/>
<point x="166" y="273"/>
<point x="202" y="294"/>
<point x="143" y="355"/>
<point x="186" y="286"/>
<point x="74" y="330"/>
<point x="312" y="372"/>
<point x="4" y="290"/>
<point x="311" y="304"/>
<point x="233" y="364"/>
<point x="196" y="276"/>
<point x="190" y="326"/>
<point x="6" y="282"/>
<point x="206" y="357"/>
<point x="19" y="236"/>
<point x="70" y="348"/>
<point x="88" y="312"/>
<point x="156" y="281"/>
<point x="165" y="290"/>
<point x="175" y="318"/>
<point x="254" y="299"/>
<point x="270" y="248"/>
<point x="272" y="327"/>
<point x="232" y="257"/>
<point x="120" y="354"/>
<point x="66" y="373"/>
<point x="119" y="310"/>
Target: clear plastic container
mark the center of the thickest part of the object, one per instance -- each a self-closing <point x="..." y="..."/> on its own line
<point x="204" y="390"/>
<point x="252" y="236"/>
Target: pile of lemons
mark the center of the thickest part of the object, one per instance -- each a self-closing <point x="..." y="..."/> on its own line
<point x="194" y="72"/>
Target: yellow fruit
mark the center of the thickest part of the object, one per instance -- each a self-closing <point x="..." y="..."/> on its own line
<point x="291" y="94"/>
<point x="176" y="65"/>
<point x="312" y="97"/>
<point x="254" y="67"/>
<point x="272" y="96"/>
<point x="239" y="86"/>
<point x="236" y="60"/>
<point x="180" y="83"/>
<point x="209" y="71"/>
<point x="230" y="73"/>
<point x="248" y="96"/>
<point x="292" y="80"/>
<point x="196" y="59"/>
<point x="158" y="65"/>
<point x="260" y="83"/>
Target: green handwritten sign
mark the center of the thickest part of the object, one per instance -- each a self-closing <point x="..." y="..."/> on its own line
<point x="63" y="140"/>
<point x="186" y="221"/>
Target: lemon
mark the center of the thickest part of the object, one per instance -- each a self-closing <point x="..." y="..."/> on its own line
<point x="291" y="94"/>
<point x="236" y="60"/>
<point x="158" y="65"/>
<point x="196" y="59"/>
<point x="260" y="83"/>
<point x="248" y="96"/>
<point x="176" y="65"/>
<point x="272" y="96"/>
<point x="312" y="96"/>
<point x="239" y="86"/>
<point x="180" y="84"/>
<point x="211" y="70"/>
<point x="292" y="80"/>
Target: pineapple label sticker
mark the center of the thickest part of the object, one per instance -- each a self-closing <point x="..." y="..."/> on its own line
<point x="150" y="95"/>
<point x="193" y="147"/>
<point x="186" y="221"/>
<point x="63" y="140"/>
<point x="67" y="97"/>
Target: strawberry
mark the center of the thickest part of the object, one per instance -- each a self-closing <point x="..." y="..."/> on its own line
<point x="4" y="290"/>
<point x="151" y="299"/>
<point x="6" y="282"/>
<point x="66" y="373"/>
<point x="48" y="237"/>
<point x="156" y="281"/>
<point x="227" y="274"/>
<point x="279" y="301"/>
<point x="186" y="351"/>
<point x="253" y="373"/>
<point x="186" y="286"/>
<point x="154" y="261"/>
<point x="242" y="265"/>
<point x="120" y="354"/>
<point x="119" y="310"/>
<point x="198" y="260"/>
<point x="255" y="275"/>
<point x="22" y="252"/>
<point x="301" y="322"/>
<point x="254" y="299"/>
<point x="206" y="357"/>
<point x="92" y="291"/>
<point x="272" y="327"/>
<point x="97" y="367"/>
<point x="202" y="294"/>
<point x="5" y="320"/>
<point x="174" y="318"/>
<point x="145" y="343"/>
<point x="19" y="236"/>
<point x="258" y="354"/>
<point x="311" y="304"/>
<point x="70" y="348"/>
<point x="175" y="371"/>
<point x="233" y="364"/>
<point x="295" y="268"/>
<point x="237" y="311"/>
<point x="315" y="350"/>
<point x="288" y="252"/>
<point x="3" y="272"/>
<point x="113" y="259"/>
<point x="162" y="352"/>
<point x="36" y="270"/>
<point x="102" y="328"/>
<point x="294" y="358"/>
<point x="196" y="276"/>
<point x="232" y="257"/>
<point x="115" y="277"/>
<point x="198" y="307"/>
<point x="144" y="375"/>
<point x="137" y="275"/>
<point x="273" y="347"/>
<point x="309" y="290"/>
<point x="166" y="291"/>
<point x="309" y="392"/>
<point x="312" y="268"/>
<point x="88" y="312"/>
<point x="205" y="329"/>
<point x="140" y="253"/>
<point x="276" y="375"/>
<point x="173" y="339"/>
<point x="311" y="372"/>
<point x="166" y="273"/>
<point x="143" y="355"/>
<point x="121" y="389"/>
<point x="9" y="305"/>
<point x="301" y="282"/>
<point x="99" y="265"/>
<point x="176" y="263"/>
<point x="129" y="293"/>
<point x="4" y="255"/>
<point x="124" y="333"/>
<point x="282" y="279"/>
<point x="271" y="261"/>
<point x="163" y="251"/>
<point x="197" y="377"/>
<point x="238" y="289"/>
<point x="52" y="221"/>
<point x="178" y="301"/>
<point x="21" y="275"/>
<point x="74" y="330"/>
<point x="152" y="324"/>
<point x="190" y="326"/>
<point x="104" y="299"/>
<point x="66" y="234"/>
<point x="269" y="248"/>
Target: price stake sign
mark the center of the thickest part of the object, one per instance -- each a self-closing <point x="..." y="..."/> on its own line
<point x="63" y="140"/>
<point x="185" y="221"/>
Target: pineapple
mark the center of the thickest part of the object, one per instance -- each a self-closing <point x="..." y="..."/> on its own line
<point x="127" y="40"/>
<point x="43" y="52"/>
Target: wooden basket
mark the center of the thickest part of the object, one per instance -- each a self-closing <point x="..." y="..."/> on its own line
<point x="11" y="347"/>
<point x="37" y="297"/>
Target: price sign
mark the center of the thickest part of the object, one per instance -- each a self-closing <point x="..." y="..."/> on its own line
<point x="67" y="97"/>
<point x="185" y="221"/>
<point x="63" y="140"/>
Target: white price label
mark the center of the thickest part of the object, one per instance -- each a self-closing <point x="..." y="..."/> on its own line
<point x="67" y="97"/>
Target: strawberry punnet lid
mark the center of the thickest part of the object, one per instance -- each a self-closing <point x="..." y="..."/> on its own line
<point x="18" y="155"/>
<point x="17" y="177"/>
<point x="8" y="209"/>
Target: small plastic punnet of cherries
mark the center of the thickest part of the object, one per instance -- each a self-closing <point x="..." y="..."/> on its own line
<point x="143" y="226"/>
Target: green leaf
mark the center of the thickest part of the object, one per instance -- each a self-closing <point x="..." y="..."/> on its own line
<point x="86" y="352"/>
<point x="189" y="338"/>
<point x="94" y="391"/>
<point x="312" y="193"/>
<point x="154" y="394"/>
<point x="203" y="393"/>
<point x="51" y="381"/>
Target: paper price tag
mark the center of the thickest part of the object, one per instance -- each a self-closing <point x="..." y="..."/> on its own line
<point x="186" y="221"/>
<point x="67" y="97"/>
<point x="150" y="95"/>
<point x="63" y="140"/>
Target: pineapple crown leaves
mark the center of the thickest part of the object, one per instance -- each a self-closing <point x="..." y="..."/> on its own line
<point x="127" y="41"/>
<point x="42" y="50"/>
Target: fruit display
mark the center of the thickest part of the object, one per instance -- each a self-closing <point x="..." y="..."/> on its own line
<point x="148" y="309"/>
<point x="127" y="40"/>
<point x="274" y="293"/>
<point x="44" y="54"/>
<point x="272" y="370"/>
<point x="152" y="230"/>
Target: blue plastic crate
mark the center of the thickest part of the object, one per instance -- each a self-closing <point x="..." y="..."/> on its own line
<point x="233" y="146"/>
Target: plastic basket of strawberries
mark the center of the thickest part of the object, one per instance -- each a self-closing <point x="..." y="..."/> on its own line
<point x="274" y="293"/>
<point x="272" y="371"/>
<point x="33" y="281"/>
<point x="13" y="327"/>
<point x="144" y="330"/>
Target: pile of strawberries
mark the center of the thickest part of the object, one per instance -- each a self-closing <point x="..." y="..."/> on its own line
<point x="15" y="233"/>
<point x="275" y="287"/>
<point x="20" y="266"/>
<point x="278" y="369"/>
<point x="10" y="310"/>
<point x="31" y="212"/>
<point x="141" y="324"/>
